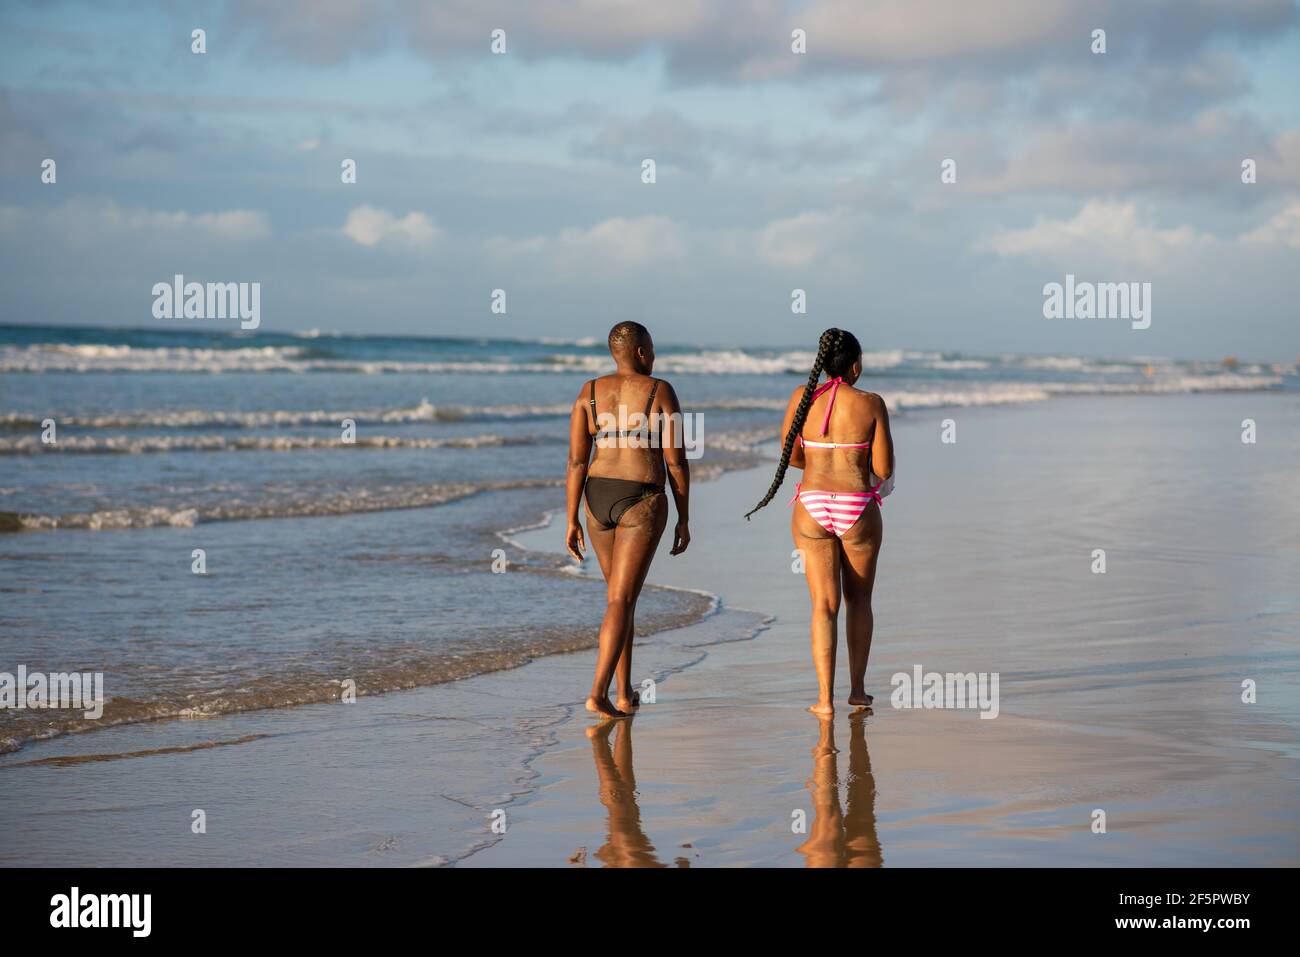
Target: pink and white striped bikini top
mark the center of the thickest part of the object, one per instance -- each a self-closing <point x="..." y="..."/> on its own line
<point x="834" y="386"/>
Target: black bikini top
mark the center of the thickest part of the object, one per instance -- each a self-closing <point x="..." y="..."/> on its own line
<point x="649" y="403"/>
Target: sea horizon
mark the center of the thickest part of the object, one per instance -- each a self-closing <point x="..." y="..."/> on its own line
<point x="196" y="328"/>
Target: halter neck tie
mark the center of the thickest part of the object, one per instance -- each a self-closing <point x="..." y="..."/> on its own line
<point x="834" y="386"/>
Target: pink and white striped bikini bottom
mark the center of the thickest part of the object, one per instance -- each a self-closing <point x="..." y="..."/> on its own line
<point x="836" y="512"/>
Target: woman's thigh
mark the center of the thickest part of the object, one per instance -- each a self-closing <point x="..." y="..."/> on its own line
<point x="821" y="557"/>
<point x="601" y="540"/>
<point x="636" y="536"/>
<point x="861" y="546"/>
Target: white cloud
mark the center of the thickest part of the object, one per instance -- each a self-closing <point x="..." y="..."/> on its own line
<point x="619" y="242"/>
<point x="85" y="221"/>
<point x="1284" y="164"/>
<point x="1283" y="228"/>
<point x="1102" y="227"/>
<point x="234" y="224"/>
<point x="904" y="30"/>
<point x="827" y="238"/>
<point x="749" y="38"/>
<point x="369" y="226"/>
<point x="799" y="241"/>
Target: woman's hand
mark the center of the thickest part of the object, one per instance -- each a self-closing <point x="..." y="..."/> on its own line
<point x="681" y="538"/>
<point x="574" y="541"/>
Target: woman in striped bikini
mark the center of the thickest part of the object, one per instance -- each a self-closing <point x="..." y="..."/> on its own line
<point x="837" y="521"/>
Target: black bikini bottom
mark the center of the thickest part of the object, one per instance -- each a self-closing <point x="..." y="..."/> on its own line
<point x="609" y="498"/>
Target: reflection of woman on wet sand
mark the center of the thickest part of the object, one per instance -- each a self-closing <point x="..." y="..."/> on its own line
<point x="836" y="839"/>
<point x="624" y="485"/>
<point x="626" y="844"/>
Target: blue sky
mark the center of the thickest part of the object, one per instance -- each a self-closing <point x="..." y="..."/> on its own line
<point x="775" y="171"/>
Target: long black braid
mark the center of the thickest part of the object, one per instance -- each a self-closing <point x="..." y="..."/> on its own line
<point x="826" y="346"/>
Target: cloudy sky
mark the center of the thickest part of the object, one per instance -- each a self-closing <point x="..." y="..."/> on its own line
<point x="775" y="170"/>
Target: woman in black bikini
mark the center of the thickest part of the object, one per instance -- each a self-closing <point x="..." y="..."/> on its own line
<point x="627" y="510"/>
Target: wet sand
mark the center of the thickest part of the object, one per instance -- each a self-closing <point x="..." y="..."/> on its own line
<point x="1119" y="692"/>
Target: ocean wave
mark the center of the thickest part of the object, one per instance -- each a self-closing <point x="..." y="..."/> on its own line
<point x="133" y="445"/>
<point x="59" y="357"/>
<point x="898" y="400"/>
<point x="65" y="357"/>
<point x="583" y="341"/>
<point x="723" y="362"/>
<point x="278" y="418"/>
<point x="1012" y="393"/>
<point x="302" y="504"/>
<point x="953" y="365"/>
<point x="1170" y="384"/>
<point x="104" y="358"/>
<point x="1058" y="363"/>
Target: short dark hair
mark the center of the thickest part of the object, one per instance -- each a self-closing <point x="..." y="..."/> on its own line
<point x="626" y="336"/>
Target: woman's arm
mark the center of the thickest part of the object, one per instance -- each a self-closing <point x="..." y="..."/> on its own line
<point x="796" y="453"/>
<point x="678" y="466"/>
<point x="576" y="476"/>
<point x="882" y="443"/>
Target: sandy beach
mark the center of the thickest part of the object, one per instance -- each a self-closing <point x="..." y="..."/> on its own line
<point x="1118" y="691"/>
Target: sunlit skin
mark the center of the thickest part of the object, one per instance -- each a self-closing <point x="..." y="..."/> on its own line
<point x="844" y="567"/>
<point x="626" y="844"/>
<point x="625" y="550"/>
<point x="836" y="838"/>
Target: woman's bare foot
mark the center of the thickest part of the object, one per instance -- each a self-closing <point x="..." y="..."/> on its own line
<point x="628" y="701"/>
<point x="861" y="697"/>
<point x="603" y="707"/>
<point x="822" y="708"/>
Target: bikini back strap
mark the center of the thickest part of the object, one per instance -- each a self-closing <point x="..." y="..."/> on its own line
<point x="649" y="403"/>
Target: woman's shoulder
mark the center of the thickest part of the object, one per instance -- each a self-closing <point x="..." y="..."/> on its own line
<point x="588" y="386"/>
<point x="663" y="389"/>
<point x="872" y="399"/>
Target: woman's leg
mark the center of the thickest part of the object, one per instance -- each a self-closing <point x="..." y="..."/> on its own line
<point x="634" y="540"/>
<point x="861" y="546"/>
<point x="602" y="543"/>
<point x="627" y="698"/>
<point x="821" y="561"/>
